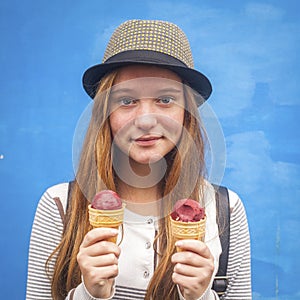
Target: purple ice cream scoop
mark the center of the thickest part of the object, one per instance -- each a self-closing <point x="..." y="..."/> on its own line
<point x="187" y="210"/>
<point x="107" y="200"/>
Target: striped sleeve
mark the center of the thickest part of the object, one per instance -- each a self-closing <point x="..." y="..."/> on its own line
<point x="238" y="270"/>
<point x="45" y="236"/>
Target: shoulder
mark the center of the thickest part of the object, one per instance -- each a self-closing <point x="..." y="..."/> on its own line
<point x="234" y="198"/>
<point x="48" y="213"/>
<point x="58" y="191"/>
<point x="237" y="209"/>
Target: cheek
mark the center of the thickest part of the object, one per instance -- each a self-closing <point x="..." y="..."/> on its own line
<point x="179" y="119"/>
<point x="114" y="125"/>
<point x="173" y="126"/>
<point x="175" y="121"/>
<point x="177" y="133"/>
<point x="117" y="124"/>
<point x="120" y="128"/>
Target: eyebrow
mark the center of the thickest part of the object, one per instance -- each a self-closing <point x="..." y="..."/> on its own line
<point x="115" y="90"/>
<point x="162" y="90"/>
<point x="170" y="89"/>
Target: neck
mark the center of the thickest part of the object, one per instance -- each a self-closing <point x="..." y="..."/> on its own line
<point x="143" y="201"/>
<point x="139" y="185"/>
<point x="138" y="178"/>
<point x="135" y="194"/>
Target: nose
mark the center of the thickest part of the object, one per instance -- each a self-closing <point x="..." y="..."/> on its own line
<point x="146" y="118"/>
<point x="145" y="121"/>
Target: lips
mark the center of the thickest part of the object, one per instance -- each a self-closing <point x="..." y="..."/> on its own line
<point x="147" y="140"/>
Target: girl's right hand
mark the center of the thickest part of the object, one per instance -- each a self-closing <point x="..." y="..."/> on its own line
<point x="98" y="261"/>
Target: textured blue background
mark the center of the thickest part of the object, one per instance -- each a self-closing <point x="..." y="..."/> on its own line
<point x="249" y="50"/>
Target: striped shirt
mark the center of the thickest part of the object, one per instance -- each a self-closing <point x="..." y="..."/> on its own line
<point x="137" y="265"/>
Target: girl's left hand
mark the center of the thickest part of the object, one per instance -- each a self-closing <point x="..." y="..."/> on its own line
<point x="194" y="267"/>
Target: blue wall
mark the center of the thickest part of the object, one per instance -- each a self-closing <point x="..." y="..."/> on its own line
<point x="250" y="52"/>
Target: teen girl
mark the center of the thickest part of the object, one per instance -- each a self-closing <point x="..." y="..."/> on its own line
<point x="146" y="142"/>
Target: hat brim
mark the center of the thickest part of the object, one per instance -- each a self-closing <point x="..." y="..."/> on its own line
<point x="195" y="79"/>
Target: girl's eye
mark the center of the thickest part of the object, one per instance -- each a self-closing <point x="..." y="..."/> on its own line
<point x="126" y="101"/>
<point x="166" y="100"/>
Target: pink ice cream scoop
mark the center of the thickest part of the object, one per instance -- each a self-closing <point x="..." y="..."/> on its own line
<point x="107" y="200"/>
<point x="187" y="210"/>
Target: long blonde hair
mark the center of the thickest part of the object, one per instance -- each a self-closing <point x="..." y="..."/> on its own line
<point x="183" y="178"/>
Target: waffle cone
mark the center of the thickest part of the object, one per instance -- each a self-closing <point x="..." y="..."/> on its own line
<point x="188" y="230"/>
<point x="106" y="218"/>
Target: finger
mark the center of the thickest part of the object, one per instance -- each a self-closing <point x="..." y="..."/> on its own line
<point x="184" y="281"/>
<point x="103" y="260"/>
<point x="191" y="271"/>
<point x="185" y="270"/>
<point x="98" y="234"/>
<point x="188" y="258"/>
<point x="97" y="274"/>
<point x="191" y="287"/>
<point x="101" y="248"/>
<point x="194" y="246"/>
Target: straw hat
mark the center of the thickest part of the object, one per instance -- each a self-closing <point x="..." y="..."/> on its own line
<point x="152" y="42"/>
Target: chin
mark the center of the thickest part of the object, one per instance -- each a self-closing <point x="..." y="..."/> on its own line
<point x="148" y="160"/>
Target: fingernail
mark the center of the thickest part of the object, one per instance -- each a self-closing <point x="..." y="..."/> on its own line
<point x="114" y="231"/>
<point x="102" y="283"/>
<point x="178" y="244"/>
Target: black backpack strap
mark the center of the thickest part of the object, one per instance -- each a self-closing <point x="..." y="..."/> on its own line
<point x="223" y="219"/>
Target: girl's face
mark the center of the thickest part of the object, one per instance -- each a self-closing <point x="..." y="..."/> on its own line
<point x="146" y="112"/>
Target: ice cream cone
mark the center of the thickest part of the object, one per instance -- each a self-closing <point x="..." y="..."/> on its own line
<point x="106" y="218"/>
<point x="188" y="230"/>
